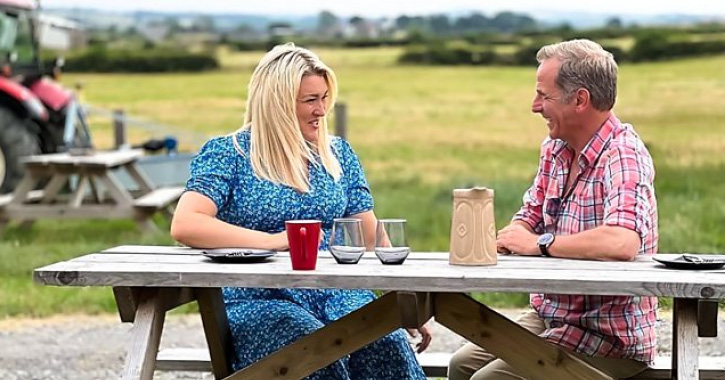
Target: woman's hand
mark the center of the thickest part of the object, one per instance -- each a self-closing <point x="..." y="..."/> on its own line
<point x="278" y="241"/>
<point x="426" y="337"/>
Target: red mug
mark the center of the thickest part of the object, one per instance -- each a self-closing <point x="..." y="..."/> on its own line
<point x="303" y="237"/>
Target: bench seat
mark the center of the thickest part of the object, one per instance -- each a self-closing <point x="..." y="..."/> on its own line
<point x="33" y="196"/>
<point x="435" y="364"/>
<point x="159" y="198"/>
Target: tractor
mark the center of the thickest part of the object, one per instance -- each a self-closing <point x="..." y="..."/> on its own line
<point x="37" y="114"/>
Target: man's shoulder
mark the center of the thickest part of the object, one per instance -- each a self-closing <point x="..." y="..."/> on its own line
<point x="626" y="145"/>
<point x="624" y="137"/>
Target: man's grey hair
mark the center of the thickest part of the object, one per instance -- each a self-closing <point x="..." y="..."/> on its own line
<point x="584" y="64"/>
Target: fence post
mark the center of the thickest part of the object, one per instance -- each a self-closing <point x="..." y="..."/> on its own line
<point x="341" y="120"/>
<point x="119" y="129"/>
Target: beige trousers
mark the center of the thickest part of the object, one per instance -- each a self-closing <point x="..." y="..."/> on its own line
<point x="474" y="363"/>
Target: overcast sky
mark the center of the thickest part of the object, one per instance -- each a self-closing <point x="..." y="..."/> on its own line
<point x="375" y="8"/>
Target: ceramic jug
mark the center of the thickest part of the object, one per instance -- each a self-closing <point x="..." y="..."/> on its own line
<point x="473" y="227"/>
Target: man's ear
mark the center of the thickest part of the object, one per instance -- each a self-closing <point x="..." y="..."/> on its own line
<point x="582" y="98"/>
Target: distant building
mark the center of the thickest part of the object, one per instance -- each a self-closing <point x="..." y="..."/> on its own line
<point x="362" y="28"/>
<point x="59" y="33"/>
<point x="155" y="32"/>
<point x="281" y="30"/>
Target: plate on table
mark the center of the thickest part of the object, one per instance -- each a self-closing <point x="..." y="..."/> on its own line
<point x="690" y="261"/>
<point x="238" y="255"/>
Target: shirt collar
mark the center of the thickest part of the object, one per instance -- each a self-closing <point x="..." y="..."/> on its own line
<point x="600" y="140"/>
<point x="594" y="148"/>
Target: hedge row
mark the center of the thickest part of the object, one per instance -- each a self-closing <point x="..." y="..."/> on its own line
<point x="469" y="54"/>
<point x="660" y="46"/>
<point x="646" y="48"/>
<point x="139" y="61"/>
<point x="441" y="54"/>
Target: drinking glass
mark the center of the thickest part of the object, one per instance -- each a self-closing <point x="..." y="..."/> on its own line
<point x="346" y="240"/>
<point x="391" y="244"/>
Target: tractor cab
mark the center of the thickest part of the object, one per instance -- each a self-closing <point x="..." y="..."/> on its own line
<point x="18" y="43"/>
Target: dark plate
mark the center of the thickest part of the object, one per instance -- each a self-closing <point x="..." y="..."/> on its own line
<point x="679" y="262"/>
<point x="238" y="255"/>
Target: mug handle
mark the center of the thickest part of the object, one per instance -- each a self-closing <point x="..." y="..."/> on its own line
<point x="303" y="238"/>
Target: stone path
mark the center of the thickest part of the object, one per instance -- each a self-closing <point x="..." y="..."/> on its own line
<point x="93" y="347"/>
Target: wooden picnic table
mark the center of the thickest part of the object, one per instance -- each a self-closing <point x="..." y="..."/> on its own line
<point x="75" y="186"/>
<point x="149" y="280"/>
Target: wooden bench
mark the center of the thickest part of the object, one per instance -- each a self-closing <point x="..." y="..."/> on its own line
<point x="158" y="199"/>
<point x="33" y="196"/>
<point x="435" y="364"/>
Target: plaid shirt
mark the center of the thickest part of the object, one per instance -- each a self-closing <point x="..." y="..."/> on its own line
<point x="614" y="188"/>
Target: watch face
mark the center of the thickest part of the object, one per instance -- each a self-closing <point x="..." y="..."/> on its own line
<point x="546" y="239"/>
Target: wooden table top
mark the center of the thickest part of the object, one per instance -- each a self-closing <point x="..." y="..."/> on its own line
<point x="156" y="266"/>
<point x="108" y="159"/>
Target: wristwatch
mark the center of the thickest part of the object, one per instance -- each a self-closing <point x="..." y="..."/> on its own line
<point x="545" y="241"/>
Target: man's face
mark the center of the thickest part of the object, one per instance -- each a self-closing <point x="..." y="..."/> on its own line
<point x="549" y="101"/>
<point x="311" y="105"/>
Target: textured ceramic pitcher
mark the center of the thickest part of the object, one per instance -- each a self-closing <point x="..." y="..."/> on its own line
<point x="473" y="227"/>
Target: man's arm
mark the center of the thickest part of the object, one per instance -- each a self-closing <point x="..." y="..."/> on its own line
<point x="601" y="243"/>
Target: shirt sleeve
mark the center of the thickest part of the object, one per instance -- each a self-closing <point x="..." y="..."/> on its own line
<point x="531" y="212"/>
<point x="212" y="170"/>
<point x="629" y="190"/>
<point x="357" y="190"/>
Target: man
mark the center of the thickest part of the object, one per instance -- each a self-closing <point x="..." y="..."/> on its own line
<point x="592" y="198"/>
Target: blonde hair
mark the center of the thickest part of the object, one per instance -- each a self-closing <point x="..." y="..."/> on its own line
<point x="278" y="152"/>
<point x="584" y="64"/>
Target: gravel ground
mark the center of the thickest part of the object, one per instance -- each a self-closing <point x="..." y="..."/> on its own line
<point x="93" y="347"/>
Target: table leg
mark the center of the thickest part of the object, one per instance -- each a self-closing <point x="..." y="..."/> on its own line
<point x="216" y="329"/>
<point x="76" y="198"/>
<point x="119" y="194"/>
<point x="51" y="190"/>
<point x="141" y="179"/>
<point x="509" y="341"/>
<point x="685" y="346"/>
<point x="27" y="183"/>
<point x="324" y="346"/>
<point x="145" y="335"/>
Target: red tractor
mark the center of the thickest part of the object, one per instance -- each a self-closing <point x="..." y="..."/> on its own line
<point x="37" y="115"/>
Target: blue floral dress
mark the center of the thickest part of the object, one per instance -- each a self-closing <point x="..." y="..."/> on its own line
<point x="263" y="320"/>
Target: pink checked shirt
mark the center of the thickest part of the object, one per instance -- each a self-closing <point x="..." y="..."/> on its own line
<point x="614" y="188"/>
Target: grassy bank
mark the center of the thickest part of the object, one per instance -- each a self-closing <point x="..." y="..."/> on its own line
<point x="420" y="132"/>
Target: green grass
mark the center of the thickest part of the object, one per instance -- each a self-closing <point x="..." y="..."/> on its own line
<point x="420" y="132"/>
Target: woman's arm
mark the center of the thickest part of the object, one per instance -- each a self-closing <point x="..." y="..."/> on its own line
<point x="369" y="224"/>
<point x="195" y="225"/>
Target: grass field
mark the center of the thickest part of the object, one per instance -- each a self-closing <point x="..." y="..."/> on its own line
<point x="420" y="132"/>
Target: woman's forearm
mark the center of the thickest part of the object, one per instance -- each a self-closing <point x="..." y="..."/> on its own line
<point x="203" y="231"/>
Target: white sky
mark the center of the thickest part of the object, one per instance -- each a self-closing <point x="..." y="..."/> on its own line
<point x="376" y="8"/>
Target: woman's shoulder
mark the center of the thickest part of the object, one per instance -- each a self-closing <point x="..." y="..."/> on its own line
<point x="237" y="142"/>
<point x="340" y="147"/>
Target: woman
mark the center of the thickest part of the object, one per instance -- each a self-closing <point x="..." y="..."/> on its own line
<point x="282" y="165"/>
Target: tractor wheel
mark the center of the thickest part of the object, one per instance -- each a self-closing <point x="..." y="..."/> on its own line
<point x="16" y="140"/>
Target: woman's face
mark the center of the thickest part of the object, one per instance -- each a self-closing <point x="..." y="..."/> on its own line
<point x="311" y="104"/>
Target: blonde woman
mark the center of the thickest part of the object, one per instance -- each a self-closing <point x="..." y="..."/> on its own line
<point x="282" y="165"/>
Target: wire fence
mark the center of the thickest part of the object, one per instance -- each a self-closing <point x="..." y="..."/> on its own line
<point x="187" y="138"/>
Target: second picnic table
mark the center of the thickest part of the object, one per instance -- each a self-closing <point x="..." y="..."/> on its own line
<point x="64" y="186"/>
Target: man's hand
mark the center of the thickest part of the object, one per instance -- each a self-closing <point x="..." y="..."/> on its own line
<point x="425" y="335"/>
<point x="518" y="240"/>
